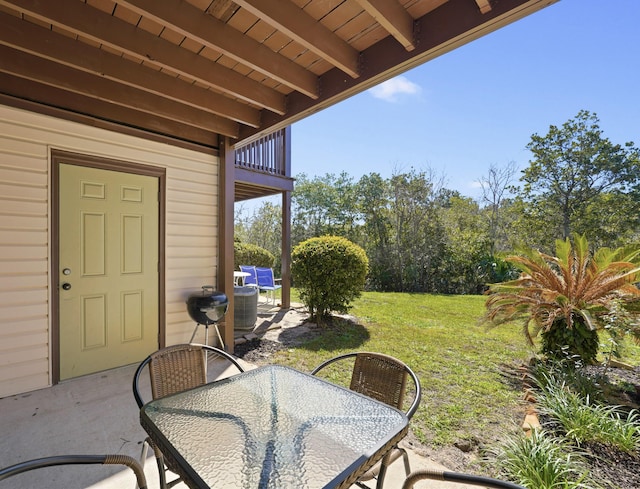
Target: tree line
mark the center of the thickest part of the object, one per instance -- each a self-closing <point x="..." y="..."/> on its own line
<point x="420" y="236"/>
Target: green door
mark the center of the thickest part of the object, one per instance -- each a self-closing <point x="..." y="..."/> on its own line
<point x="108" y="241"/>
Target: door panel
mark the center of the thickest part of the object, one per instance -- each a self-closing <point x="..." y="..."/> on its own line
<point x="108" y="242"/>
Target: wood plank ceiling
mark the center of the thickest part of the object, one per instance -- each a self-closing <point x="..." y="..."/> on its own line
<point x="193" y="71"/>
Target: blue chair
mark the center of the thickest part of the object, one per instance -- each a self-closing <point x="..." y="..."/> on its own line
<point x="250" y="280"/>
<point x="266" y="282"/>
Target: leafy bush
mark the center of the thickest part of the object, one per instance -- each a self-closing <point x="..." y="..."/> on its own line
<point x="560" y="341"/>
<point x="249" y="254"/>
<point x="329" y="272"/>
<point x="493" y="269"/>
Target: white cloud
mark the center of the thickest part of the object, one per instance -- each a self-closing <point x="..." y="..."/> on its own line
<point x="390" y="89"/>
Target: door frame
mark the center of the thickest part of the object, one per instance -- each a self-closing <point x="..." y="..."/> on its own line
<point x="59" y="157"/>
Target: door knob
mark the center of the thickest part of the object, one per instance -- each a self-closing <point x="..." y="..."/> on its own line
<point x="66" y="286"/>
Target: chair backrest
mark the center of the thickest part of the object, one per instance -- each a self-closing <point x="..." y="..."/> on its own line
<point x="177" y="368"/>
<point x="39" y="463"/>
<point x="381" y="377"/>
<point x="265" y="277"/>
<point x="252" y="278"/>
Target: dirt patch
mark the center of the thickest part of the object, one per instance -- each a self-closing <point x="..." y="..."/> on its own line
<point x="257" y="350"/>
<point x="608" y="464"/>
<point x="285" y="331"/>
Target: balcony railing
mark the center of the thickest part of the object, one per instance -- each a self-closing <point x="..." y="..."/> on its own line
<point x="267" y="154"/>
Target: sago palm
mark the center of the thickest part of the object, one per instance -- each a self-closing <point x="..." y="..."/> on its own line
<point x="566" y="298"/>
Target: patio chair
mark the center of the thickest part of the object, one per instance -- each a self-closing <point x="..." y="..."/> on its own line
<point x="175" y="369"/>
<point x="250" y="280"/>
<point x="40" y="463"/>
<point x="266" y="282"/>
<point x="383" y="378"/>
<point x="456" y="477"/>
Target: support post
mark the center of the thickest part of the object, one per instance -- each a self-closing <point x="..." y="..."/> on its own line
<point x="286" y="250"/>
<point x="226" y="180"/>
<point x="286" y="226"/>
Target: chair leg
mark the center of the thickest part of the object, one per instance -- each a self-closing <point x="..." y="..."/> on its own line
<point x="405" y="459"/>
<point x="381" y="474"/>
<point x="143" y="453"/>
<point x="385" y="464"/>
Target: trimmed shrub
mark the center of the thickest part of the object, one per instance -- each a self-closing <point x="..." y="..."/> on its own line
<point x="249" y="254"/>
<point x="329" y="272"/>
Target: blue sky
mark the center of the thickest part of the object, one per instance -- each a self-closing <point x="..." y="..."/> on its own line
<point x="479" y="104"/>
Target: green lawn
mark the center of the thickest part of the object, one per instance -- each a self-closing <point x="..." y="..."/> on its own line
<point x="471" y="385"/>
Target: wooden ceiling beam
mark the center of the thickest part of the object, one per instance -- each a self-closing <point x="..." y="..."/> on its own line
<point x="305" y="30"/>
<point x="215" y="34"/>
<point x="484" y="6"/>
<point x="47" y="44"/>
<point x="103" y="28"/>
<point x="62" y="103"/>
<point x="393" y="18"/>
<point x="54" y="74"/>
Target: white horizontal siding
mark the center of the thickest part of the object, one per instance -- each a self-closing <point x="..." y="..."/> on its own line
<point x="24" y="245"/>
<point x="26" y="140"/>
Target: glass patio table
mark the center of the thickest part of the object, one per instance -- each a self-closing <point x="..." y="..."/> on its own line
<point x="272" y="427"/>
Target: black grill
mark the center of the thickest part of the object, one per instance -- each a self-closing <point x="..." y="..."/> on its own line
<point x="207" y="307"/>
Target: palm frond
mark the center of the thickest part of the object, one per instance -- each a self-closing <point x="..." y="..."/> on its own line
<point x="617" y="277"/>
<point x="540" y="272"/>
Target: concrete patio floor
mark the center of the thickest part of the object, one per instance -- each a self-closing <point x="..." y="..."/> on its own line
<point x="97" y="414"/>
